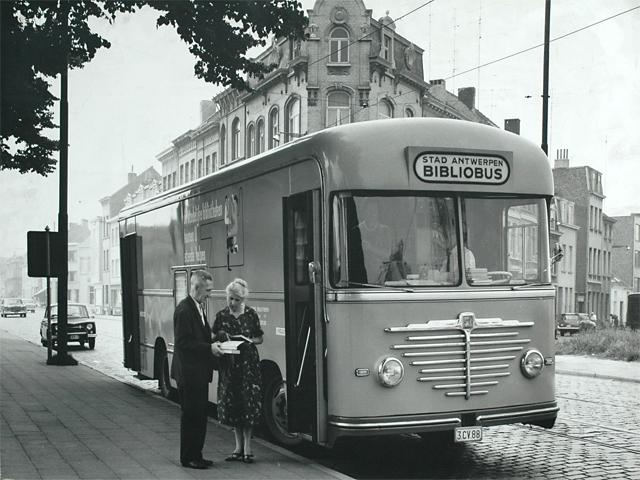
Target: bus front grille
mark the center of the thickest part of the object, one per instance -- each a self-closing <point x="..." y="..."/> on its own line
<point x="462" y="360"/>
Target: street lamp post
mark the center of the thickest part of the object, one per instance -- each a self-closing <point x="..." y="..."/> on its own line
<point x="63" y="357"/>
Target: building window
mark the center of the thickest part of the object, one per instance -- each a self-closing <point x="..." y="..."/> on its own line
<point x="251" y="140"/>
<point x="385" y="109"/>
<point x="274" y="129"/>
<point x="260" y="136"/>
<point x="193" y="169"/>
<point x="338" y="109"/>
<point x="387" y="45"/>
<point x="199" y="167"/>
<point x="339" y="45"/>
<point x="214" y="160"/>
<point x="235" y="139"/>
<point x="223" y="144"/>
<point x="72" y="276"/>
<point x="173" y="179"/>
<point x="184" y="174"/>
<point x="408" y="113"/>
<point x="637" y="234"/>
<point x="293" y="119"/>
<point x="207" y="161"/>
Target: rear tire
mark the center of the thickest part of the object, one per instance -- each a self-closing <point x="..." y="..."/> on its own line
<point x="92" y="343"/>
<point x="274" y="412"/>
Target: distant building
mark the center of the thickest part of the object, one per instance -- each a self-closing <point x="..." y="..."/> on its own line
<point x="350" y="68"/>
<point x="107" y="289"/>
<point x="583" y="186"/>
<point x="626" y="250"/>
<point x="564" y="233"/>
<point x="619" y="293"/>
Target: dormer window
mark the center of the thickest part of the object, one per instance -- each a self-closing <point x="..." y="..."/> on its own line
<point x="339" y="45"/>
<point x="386" y="47"/>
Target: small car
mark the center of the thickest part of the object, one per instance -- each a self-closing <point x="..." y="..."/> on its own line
<point x="29" y="304"/>
<point x="81" y="326"/>
<point x="574" y="322"/>
<point x="12" y="306"/>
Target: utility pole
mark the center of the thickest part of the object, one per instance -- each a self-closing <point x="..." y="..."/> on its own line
<point x="62" y="357"/>
<point x="545" y="77"/>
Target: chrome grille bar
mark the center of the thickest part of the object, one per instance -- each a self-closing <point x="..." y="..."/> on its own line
<point x="473" y="360"/>
<point x="463" y="353"/>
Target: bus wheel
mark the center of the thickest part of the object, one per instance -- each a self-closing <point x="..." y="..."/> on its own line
<point x="164" y="382"/>
<point x="274" y="412"/>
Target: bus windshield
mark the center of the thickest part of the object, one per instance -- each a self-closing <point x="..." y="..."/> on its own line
<point x="505" y="241"/>
<point x="393" y="240"/>
<point x="416" y="240"/>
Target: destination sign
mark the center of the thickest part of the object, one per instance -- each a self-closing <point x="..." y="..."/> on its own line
<point x="437" y="167"/>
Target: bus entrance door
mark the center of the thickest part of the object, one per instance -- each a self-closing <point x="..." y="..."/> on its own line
<point x="306" y="407"/>
<point x="130" y="309"/>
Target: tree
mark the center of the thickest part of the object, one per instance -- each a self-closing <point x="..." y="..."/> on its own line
<point x="36" y="46"/>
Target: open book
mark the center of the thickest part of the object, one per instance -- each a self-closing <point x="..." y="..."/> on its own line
<point x="231" y="346"/>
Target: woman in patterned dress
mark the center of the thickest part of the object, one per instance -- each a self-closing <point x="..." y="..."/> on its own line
<point x="239" y="396"/>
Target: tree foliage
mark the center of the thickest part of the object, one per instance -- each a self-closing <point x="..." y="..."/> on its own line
<point x="36" y="43"/>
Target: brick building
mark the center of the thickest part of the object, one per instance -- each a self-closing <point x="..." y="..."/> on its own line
<point x="583" y="186"/>
<point x="626" y="250"/>
<point x="350" y="68"/>
<point x="564" y="232"/>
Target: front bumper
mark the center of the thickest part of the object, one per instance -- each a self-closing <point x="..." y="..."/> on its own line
<point x="14" y="312"/>
<point x="538" y="414"/>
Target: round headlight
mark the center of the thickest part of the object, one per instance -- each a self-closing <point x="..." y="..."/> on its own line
<point x="532" y="363"/>
<point x="89" y="327"/>
<point x="390" y="372"/>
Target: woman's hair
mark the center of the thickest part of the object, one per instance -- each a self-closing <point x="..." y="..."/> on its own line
<point x="238" y="287"/>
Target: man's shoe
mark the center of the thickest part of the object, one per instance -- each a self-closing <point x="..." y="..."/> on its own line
<point x="208" y="463"/>
<point x="197" y="464"/>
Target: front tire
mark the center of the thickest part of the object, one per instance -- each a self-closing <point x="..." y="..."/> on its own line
<point x="92" y="343"/>
<point x="274" y="412"/>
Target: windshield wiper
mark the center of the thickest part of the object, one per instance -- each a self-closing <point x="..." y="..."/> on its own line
<point x="529" y="285"/>
<point x="395" y="287"/>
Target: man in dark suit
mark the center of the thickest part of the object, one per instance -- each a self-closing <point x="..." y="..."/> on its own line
<point x="192" y="368"/>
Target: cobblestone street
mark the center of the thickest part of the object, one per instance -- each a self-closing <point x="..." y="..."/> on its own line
<point x="597" y="434"/>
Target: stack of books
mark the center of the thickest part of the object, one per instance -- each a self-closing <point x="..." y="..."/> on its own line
<point x="232" y="345"/>
<point x="478" y="276"/>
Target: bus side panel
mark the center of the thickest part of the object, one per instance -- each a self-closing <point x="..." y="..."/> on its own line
<point x="354" y="325"/>
<point x="263" y="250"/>
<point x="162" y="248"/>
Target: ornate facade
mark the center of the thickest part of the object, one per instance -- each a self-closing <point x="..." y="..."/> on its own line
<point x="350" y="68"/>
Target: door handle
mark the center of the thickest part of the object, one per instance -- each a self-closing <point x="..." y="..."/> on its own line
<point x="314" y="272"/>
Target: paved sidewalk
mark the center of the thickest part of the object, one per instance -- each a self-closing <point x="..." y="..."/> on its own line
<point x="75" y="422"/>
<point x="586" y="366"/>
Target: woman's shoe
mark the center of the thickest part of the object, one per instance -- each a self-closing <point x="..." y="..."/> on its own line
<point x="247" y="458"/>
<point x="234" y="457"/>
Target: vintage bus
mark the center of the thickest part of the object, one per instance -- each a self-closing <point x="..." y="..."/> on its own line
<point x="400" y="269"/>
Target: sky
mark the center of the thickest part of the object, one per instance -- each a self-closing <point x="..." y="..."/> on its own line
<point x="133" y="99"/>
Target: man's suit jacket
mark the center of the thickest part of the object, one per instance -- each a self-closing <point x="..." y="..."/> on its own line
<point x="192" y="357"/>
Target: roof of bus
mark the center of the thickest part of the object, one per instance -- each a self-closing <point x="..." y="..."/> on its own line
<point x="374" y="155"/>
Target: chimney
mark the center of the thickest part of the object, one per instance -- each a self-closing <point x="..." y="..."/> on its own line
<point x="438" y="81"/>
<point x="131" y="176"/>
<point x="207" y="108"/>
<point x="468" y="96"/>
<point x="512" y="125"/>
<point x="562" y="158"/>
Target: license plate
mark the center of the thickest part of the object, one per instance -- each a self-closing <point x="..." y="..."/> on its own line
<point x="468" y="434"/>
<point x="74" y="337"/>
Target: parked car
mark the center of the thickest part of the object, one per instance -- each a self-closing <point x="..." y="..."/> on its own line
<point x="12" y="306"/>
<point x="81" y="326"/>
<point x="29" y="304"/>
<point x="574" y="322"/>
